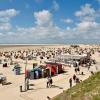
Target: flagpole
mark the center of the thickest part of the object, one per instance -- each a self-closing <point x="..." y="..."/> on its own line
<point x="25" y="74"/>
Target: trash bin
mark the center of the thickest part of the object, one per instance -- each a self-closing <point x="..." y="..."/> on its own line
<point x="17" y="71"/>
<point x="3" y="80"/>
<point x="31" y="75"/>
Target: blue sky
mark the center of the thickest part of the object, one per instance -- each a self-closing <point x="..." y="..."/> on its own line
<point x="49" y="21"/>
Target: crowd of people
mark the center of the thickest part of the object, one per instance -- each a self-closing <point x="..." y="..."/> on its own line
<point x="49" y="53"/>
<point x="40" y="54"/>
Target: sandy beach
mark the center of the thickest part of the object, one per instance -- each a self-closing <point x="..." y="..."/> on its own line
<point x="38" y="90"/>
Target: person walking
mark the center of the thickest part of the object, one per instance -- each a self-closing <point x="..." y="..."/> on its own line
<point x="74" y="77"/>
<point x="77" y="80"/>
<point x="70" y="82"/>
<point x="51" y="81"/>
<point x="78" y="69"/>
<point x="48" y="81"/>
<point x="88" y="67"/>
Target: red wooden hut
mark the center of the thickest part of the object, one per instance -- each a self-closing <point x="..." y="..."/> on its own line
<point x="56" y="68"/>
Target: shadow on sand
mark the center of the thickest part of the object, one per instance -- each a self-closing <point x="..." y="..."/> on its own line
<point x="31" y="84"/>
<point x="8" y="83"/>
<point x="55" y="86"/>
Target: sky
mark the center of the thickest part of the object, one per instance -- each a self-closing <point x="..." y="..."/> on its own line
<point x="50" y="21"/>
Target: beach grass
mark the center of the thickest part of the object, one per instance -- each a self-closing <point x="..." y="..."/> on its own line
<point x="86" y="90"/>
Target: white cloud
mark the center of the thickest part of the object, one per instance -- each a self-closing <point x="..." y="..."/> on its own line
<point x="85" y="10"/>
<point x="5" y="16"/>
<point x="68" y="20"/>
<point x="43" y="18"/>
<point x="1" y="34"/>
<point x="86" y="25"/>
<point x="55" y="6"/>
<point x="87" y="18"/>
<point x="8" y="13"/>
<point x="46" y="30"/>
<point x="41" y="32"/>
<point x="4" y="19"/>
<point x="5" y="26"/>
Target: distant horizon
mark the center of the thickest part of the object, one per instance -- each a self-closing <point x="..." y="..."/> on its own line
<point x="67" y="42"/>
<point x="1" y="44"/>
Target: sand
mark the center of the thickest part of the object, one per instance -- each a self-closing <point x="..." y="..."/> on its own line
<point x="39" y="90"/>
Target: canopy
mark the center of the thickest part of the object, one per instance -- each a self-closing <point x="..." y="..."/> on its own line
<point x="71" y="57"/>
